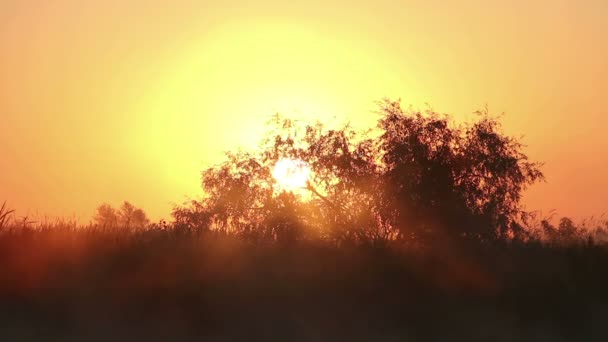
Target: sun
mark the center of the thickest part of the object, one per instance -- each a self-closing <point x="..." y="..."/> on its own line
<point x="291" y="174"/>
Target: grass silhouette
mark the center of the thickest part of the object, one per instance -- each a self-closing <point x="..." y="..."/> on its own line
<point x="64" y="282"/>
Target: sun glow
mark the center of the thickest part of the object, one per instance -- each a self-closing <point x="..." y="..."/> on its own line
<point x="291" y="174"/>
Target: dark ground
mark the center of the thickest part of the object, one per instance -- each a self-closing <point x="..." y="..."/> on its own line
<point x="164" y="286"/>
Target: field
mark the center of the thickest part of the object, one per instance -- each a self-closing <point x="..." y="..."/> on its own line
<point x="61" y="282"/>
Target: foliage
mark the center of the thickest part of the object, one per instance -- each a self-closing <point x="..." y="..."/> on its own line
<point x="126" y="216"/>
<point x="466" y="179"/>
<point x="568" y="233"/>
<point x="415" y="177"/>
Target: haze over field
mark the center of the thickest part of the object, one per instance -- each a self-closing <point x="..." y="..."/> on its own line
<point x="114" y="100"/>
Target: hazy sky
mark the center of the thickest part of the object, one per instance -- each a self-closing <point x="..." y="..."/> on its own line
<point x="105" y="101"/>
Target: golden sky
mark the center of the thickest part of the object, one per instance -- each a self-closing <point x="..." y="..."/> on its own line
<point x="105" y="101"/>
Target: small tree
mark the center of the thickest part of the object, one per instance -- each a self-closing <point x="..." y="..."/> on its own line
<point x="131" y="216"/>
<point x="106" y="216"/>
<point x="566" y="233"/>
<point x="127" y="216"/>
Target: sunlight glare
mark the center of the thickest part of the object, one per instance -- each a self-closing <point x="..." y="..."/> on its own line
<point x="291" y="174"/>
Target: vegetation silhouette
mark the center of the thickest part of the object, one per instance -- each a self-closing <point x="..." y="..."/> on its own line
<point x="410" y="232"/>
<point x="420" y="178"/>
<point x="126" y="216"/>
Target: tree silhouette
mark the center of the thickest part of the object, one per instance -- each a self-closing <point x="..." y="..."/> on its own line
<point x="566" y="233"/>
<point x="416" y="177"/>
<point x="130" y="216"/>
<point x="468" y="179"/>
<point x="127" y="216"/>
<point x="106" y="216"/>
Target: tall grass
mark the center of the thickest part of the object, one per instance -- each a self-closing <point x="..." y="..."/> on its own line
<point x="5" y="216"/>
<point x="67" y="282"/>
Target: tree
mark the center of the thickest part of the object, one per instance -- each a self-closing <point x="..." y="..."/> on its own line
<point x="127" y="216"/>
<point x="130" y="216"/>
<point x="566" y="233"/>
<point x="106" y="216"/>
<point x="465" y="180"/>
<point x="418" y="178"/>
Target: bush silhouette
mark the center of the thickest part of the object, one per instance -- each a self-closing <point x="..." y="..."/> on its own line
<point x="416" y="177"/>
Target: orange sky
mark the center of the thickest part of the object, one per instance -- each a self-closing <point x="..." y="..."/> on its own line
<point x="105" y="101"/>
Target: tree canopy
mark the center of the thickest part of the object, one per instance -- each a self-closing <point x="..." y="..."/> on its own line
<point x="417" y="176"/>
<point x="127" y="216"/>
